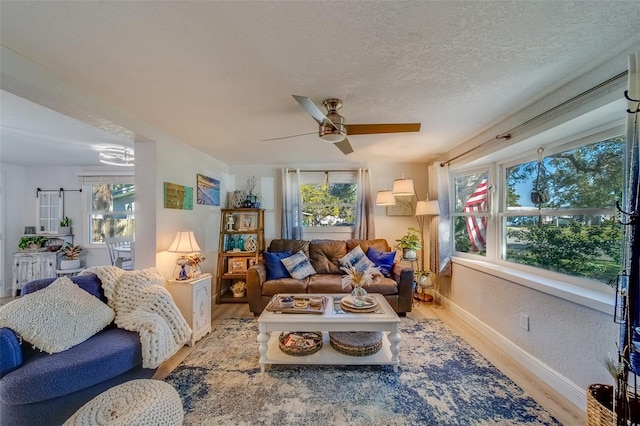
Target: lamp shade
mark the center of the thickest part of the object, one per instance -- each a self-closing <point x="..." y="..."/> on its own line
<point x="185" y="242"/>
<point x="402" y="187"/>
<point x="385" y="198"/>
<point x="427" y="208"/>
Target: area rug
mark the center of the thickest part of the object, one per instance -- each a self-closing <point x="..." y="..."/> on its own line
<point x="441" y="381"/>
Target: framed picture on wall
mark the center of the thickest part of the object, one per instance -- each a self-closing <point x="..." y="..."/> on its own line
<point x="405" y="206"/>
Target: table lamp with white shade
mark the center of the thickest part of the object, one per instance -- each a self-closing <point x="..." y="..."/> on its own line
<point x="184" y="243"/>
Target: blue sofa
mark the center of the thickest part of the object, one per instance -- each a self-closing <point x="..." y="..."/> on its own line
<point x="37" y="388"/>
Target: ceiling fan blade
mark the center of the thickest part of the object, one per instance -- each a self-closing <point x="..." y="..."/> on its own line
<point x="287" y="137"/>
<point x="315" y="112"/>
<point x="344" y="146"/>
<point x="368" y="129"/>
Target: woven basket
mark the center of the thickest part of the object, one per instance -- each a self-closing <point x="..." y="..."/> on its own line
<point x="597" y="413"/>
<point x="600" y="406"/>
<point x="316" y="336"/>
<point x="358" y="343"/>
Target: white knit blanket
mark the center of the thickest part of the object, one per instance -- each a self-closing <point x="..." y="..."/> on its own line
<point x="143" y="305"/>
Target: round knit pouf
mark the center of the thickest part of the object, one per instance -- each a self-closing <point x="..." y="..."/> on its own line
<point x="356" y="343"/>
<point x="140" y="402"/>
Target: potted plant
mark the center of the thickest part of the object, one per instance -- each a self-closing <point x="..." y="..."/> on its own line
<point x="71" y="256"/>
<point x="32" y="242"/>
<point x="409" y="244"/>
<point x="65" y="226"/>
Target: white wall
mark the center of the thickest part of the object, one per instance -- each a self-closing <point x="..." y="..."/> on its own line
<point x="179" y="163"/>
<point x="13" y="213"/>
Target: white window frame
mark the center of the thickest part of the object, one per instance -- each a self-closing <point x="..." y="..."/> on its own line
<point x="318" y="177"/>
<point x="87" y="189"/>
<point x="490" y="214"/>
<point x="497" y="200"/>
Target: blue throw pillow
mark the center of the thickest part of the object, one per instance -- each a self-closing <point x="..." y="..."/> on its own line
<point x="383" y="260"/>
<point x="275" y="268"/>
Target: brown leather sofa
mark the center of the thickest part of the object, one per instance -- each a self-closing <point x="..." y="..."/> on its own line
<point x="324" y="256"/>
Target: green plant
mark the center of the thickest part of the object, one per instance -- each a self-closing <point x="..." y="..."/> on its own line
<point x="65" y="222"/>
<point x="71" y="252"/>
<point x="409" y="241"/>
<point x="25" y="242"/>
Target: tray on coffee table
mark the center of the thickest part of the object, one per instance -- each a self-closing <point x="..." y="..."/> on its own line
<point x="302" y="305"/>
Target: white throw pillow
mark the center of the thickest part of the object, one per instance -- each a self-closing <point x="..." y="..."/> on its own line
<point x="356" y="258"/>
<point x="298" y="265"/>
<point x="57" y="317"/>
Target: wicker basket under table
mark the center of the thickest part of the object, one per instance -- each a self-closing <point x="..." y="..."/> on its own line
<point x="356" y="343"/>
<point x="316" y="336"/>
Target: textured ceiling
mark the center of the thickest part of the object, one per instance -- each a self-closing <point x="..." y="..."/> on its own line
<point x="220" y="75"/>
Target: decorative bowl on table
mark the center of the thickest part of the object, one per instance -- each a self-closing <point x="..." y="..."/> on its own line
<point x="287" y="302"/>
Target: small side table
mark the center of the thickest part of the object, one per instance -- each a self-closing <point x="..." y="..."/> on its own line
<point x="411" y="262"/>
<point x="193" y="298"/>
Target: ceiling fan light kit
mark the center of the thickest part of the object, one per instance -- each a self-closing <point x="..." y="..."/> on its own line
<point x="122" y="156"/>
<point x="332" y="128"/>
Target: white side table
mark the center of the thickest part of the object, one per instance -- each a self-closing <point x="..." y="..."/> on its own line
<point x="193" y="298"/>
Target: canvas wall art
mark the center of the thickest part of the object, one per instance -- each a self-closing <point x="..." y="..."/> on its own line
<point x="178" y="196"/>
<point x="208" y="192"/>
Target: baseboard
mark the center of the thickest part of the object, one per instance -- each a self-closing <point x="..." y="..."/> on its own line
<point x="573" y="393"/>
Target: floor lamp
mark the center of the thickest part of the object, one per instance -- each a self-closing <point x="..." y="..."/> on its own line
<point x="425" y="208"/>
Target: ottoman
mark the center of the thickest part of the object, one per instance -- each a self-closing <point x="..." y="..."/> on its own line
<point x="135" y="403"/>
<point x="356" y="343"/>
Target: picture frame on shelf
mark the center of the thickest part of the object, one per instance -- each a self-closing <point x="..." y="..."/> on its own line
<point x="245" y="222"/>
<point x="237" y="265"/>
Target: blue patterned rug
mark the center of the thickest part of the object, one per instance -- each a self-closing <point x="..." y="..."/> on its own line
<point x="441" y="381"/>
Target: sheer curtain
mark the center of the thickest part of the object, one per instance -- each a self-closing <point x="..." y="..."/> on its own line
<point x="631" y="204"/>
<point x="291" y="227"/>
<point x="363" y="227"/>
<point x="440" y="241"/>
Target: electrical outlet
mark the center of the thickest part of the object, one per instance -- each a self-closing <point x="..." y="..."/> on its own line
<point x="524" y="321"/>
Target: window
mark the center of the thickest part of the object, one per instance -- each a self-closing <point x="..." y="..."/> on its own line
<point x="556" y="211"/>
<point x="328" y="199"/>
<point x="574" y="230"/>
<point x="111" y="210"/>
<point x="471" y="212"/>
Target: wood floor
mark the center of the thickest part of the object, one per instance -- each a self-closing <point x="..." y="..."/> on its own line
<point x="557" y="405"/>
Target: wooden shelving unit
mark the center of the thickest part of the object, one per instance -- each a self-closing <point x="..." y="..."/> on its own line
<point x="248" y="224"/>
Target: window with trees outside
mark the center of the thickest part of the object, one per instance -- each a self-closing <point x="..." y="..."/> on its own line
<point x="111" y="211"/>
<point x="328" y="198"/>
<point x="557" y="211"/>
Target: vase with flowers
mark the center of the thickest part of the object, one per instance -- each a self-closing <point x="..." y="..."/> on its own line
<point x="193" y="261"/>
<point x="359" y="279"/>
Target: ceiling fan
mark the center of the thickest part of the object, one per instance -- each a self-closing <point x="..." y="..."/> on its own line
<point x="334" y="130"/>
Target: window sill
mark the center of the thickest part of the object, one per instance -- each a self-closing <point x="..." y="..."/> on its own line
<point x="328" y="229"/>
<point x="600" y="299"/>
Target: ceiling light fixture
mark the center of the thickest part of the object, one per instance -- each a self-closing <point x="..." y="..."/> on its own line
<point x="122" y="156"/>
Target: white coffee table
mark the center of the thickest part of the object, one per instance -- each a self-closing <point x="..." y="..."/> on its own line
<point x="270" y="324"/>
